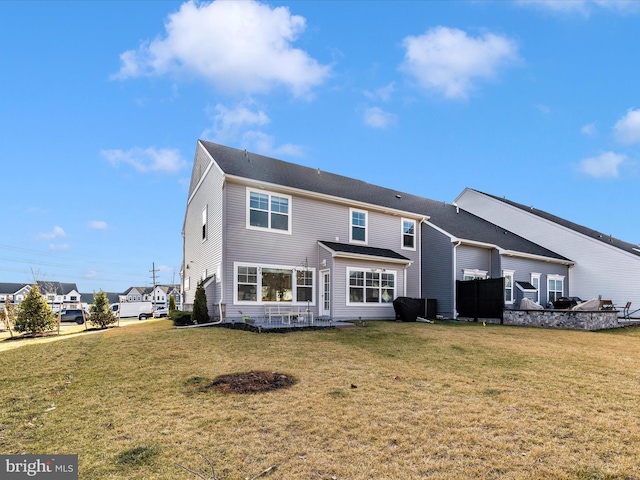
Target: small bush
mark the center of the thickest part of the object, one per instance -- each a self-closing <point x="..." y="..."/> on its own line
<point x="181" y="318"/>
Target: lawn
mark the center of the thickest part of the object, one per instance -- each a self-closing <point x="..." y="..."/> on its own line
<point x="385" y="401"/>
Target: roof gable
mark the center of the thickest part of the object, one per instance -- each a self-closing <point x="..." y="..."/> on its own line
<point x="588" y="232"/>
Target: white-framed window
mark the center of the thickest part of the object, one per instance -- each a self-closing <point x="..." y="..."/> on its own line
<point x="187" y="283"/>
<point x="408" y="234"/>
<point x="508" y="286"/>
<point x="358" y="231"/>
<point x="370" y="286"/>
<point x="205" y="233"/>
<point x="259" y="284"/>
<point x="535" y="281"/>
<point x="555" y="287"/>
<point x="268" y="211"/>
<point x="475" y="274"/>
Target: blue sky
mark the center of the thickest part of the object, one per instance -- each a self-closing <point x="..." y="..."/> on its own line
<point x="102" y="103"/>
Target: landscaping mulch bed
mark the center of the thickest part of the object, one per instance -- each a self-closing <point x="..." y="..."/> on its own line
<point x="242" y="383"/>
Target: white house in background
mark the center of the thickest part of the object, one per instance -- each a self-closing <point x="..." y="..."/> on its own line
<point x="603" y="265"/>
<point x="60" y="295"/>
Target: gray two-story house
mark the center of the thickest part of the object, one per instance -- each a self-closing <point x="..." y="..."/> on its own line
<point x="260" y="232"/>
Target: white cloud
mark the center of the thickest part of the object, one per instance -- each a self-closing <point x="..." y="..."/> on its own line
<point x="627" y="129"/>
<point x="546" y="109"/>
<point x="229" y="124"/>
<point x="62" y="246"/>
<point x="383" y="93"/>
<point x="147" y="160"/>
<point x="583" y="7"/>
<point x="240" y="125"/>
<point x="377" y="118"/>
<point x="589" y="129"/>
<point x="97" y="225"/>
<point x="449" y="61"/>
<point x="238" y="46"/>
<point x="605" y="165"/>
<point x="57" y="232"/>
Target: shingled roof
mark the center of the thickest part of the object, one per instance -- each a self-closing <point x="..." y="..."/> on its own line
<point x="466" y="226"/>
<point x="252" y="166"/>
<point x="596" y="235"/>
<point x="462" y="224"/>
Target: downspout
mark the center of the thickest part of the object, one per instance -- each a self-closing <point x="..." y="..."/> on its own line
<point x="423" y="220"/>
<point x="210" y="324"/>
<point x="455" y="256"/>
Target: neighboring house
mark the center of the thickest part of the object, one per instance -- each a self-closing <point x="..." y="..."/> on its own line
<point x="87" y="299"/>
<point x="260" y="231"/>
<point x="135" y="294"/>
<point x="14" y="292"/>
<point x="458" y="245"/>
<point x="604" y="266"/>
<point x="60" y="295"/>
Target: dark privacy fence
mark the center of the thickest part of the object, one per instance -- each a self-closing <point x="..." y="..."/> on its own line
<point x="480" y="298"/>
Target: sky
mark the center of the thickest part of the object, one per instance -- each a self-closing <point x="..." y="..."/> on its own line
<point x="102" y="104"/>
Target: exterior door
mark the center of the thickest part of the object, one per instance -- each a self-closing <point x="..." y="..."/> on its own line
<point x="325" y="294"/>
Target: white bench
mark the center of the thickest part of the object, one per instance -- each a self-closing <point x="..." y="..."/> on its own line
<point x="285" y="312"/>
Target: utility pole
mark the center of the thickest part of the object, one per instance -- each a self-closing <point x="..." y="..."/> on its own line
<point x="153" y="273"/>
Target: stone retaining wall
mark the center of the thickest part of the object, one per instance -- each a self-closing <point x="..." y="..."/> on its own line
<point x="567" y="319"/>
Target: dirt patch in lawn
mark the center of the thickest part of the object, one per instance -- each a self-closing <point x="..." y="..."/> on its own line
<point x="248" y="382"/>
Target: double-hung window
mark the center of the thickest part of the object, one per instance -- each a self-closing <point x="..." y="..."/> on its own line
<point x="535" y="281"/>
<point x="408" y="234"/>
<point x="371" y="286"/>
<point x="508" y="286"/>
<point x="555" y="287"/>
<point x="204" y="222"/>
<point x="358" y="226"/>
<point x="268" y="211"/>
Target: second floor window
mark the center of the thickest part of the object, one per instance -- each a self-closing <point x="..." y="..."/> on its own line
<point x="358" y="232"/>
<point x="269" y="211"/>
<point x="409" y="234"/>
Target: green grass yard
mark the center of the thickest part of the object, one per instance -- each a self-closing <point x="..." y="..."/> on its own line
<point x="386" y="401"/>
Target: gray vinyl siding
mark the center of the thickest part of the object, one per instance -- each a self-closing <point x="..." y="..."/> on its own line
<point x="204" y="258"/>
<point x="311" y="220"/>
<point x="600" y="269"/>
<point x="437" y="271"/>
<point x="472" y="258"/>
<point x="524" y="267"/>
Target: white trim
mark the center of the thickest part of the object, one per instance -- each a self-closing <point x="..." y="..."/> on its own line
<point x="366" y="226"/>
<point x="349" y="303"/>
<point x="270" y="195"/>
<point x="536" y="276"/>
<point x="505" y="274"/>
<point x="555" y="278"/>
<point x="260" y="267"/>
<point x="259" y="185"/>
<point x="475" y="274"/>
<point x="402" y="234"/>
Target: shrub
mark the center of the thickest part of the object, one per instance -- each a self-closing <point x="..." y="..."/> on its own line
<point x="100" y="313"/>
<point x="181" y="318"/>
<point x="200" y="311"/>
<point x="33" y="314"/>
<point x="172" y="304"/>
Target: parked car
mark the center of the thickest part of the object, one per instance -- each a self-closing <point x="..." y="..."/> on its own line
<point x="72" y="316"/>
<point x="160" y="312"/>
